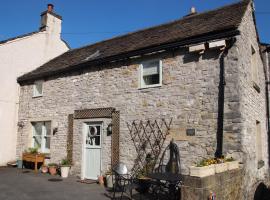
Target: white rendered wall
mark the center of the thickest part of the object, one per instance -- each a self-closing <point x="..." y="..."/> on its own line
<point x="16" y="58"/>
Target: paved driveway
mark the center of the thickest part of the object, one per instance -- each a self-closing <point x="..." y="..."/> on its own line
<point x="16" y="185"/>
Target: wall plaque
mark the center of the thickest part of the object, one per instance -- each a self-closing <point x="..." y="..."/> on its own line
<point x="190" y="132"/>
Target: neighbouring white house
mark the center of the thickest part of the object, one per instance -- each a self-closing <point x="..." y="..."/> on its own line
<point x="19" y="55"/>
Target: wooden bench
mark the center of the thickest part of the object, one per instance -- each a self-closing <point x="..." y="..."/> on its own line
<point x="35" y="158"/>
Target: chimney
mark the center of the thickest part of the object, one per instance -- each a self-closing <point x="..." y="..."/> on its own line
<point x="50" y="7"/>
<point x="50" y="21"/>
<point x="193" y="10"/>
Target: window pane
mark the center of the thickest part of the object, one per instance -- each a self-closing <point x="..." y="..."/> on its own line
<point x="38" y="88"/>
<point x="37" y="128"/>
<point x="151" y="80"/>
<point x="48" y="128"/>
<point x="151" y="68"/>
<point x="37" y="141"/>
<point x="47" y="142"/>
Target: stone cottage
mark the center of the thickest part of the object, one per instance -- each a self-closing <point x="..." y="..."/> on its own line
<point x="203" y="72"/>
<point x="18" y="56"/>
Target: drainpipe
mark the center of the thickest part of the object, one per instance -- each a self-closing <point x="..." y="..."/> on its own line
<point x="266" y="74"/>
<point x="267" y="116"/>
<point x="221" y="92"/>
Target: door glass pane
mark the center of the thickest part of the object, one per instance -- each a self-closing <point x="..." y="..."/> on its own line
<point x="97" y="138"/>
<point x="93" y="135"/>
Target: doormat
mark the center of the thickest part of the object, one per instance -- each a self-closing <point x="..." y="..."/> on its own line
<point x="87" y="181"/>
<point x="55" y="179"/>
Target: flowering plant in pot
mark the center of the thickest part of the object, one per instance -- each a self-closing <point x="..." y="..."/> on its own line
<point x="143" y="180"/>
<point x="205" y="167"/>
<point x="53" y="168"/>
<point x="32" y="150"/>
<point x="64" y="167"/>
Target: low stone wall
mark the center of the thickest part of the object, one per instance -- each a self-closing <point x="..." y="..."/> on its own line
<point x="226" y="186"/>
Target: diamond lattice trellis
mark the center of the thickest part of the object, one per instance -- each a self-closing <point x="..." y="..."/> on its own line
<point x="148" y="138"/>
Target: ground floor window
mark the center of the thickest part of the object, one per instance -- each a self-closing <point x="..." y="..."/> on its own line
<point x="42" y="136"/>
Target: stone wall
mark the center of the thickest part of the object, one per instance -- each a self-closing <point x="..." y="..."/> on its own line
<point x="226" y="186"/>
<point x="188" y="95"/>
<point x="252" y="106"/>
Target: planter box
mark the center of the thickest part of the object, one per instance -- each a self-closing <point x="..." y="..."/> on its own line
<point x="222" y="167"/>
<point x="202" y="171"/>
<point x="233" y="165"/>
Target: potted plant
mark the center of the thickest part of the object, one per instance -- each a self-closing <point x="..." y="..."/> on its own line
<point x="232" y="163"/>
<point x="65" y="166"/>
<point x="44" y="169"/>
<point x="144" y="181"/>
<point x="204" y="168"/>
<point x="32" y="150"/>
<point x="53" y="168"/>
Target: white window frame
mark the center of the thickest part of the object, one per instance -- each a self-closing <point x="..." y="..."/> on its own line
<point x="35" y="91"/>
<point x="44" y="135"/>
<point x="141" y="83"/>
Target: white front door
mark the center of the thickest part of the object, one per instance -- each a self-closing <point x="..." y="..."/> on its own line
<point x="92" y="155"/>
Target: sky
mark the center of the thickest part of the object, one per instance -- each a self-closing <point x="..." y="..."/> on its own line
<point x="89" y="21"/>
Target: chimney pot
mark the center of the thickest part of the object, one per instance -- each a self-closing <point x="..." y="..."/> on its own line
<point x="193" y="10"/>
<point x="50" y="7"/>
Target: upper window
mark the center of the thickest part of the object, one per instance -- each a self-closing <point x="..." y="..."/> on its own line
<point x="151" y="74"/>
<point x="38" y="89"/>
<point x="254" y="66"/>
<point x="42" y="136"/>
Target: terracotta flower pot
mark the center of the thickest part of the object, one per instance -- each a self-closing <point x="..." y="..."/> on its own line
<point x="44" y="169"/>
<point x="101" y="180"/>
<point x="53" y="170"/>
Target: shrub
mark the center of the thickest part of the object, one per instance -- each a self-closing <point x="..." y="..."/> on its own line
<point x="65" y="162"/>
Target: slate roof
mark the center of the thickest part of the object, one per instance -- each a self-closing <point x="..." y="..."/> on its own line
<point x="197" y="25"/>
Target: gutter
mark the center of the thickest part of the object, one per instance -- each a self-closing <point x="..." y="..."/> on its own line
<point x="127" y="55"/>
<point x="221" y="94"/>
